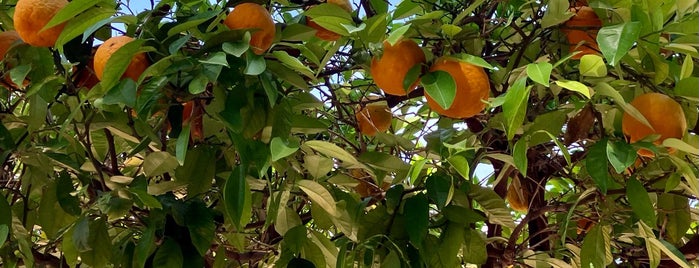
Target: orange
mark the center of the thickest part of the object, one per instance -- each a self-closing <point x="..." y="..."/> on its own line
<point x="374" y="118"/>
<point x="253" y="16"/>
<point x="326" y="34"/>
<point x="472" y="86"/>
<point x="138" y="64"/>
<point x="517" y="196"/>
<point x="663" y="113"/>
<point x="583" y="26"/>
<point x="32" y="15"/>
<point x="390" y="69"/>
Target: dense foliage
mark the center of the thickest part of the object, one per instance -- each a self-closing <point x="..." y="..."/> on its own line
<point x="267" y="165"/>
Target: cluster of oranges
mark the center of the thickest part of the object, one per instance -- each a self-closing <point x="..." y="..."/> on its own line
<point x="391" y="68"/>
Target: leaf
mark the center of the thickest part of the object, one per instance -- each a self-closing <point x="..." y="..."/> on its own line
<point x="100" y="244"/>
<point x="281" y="149"/>
<point x="579" y="126"/>
<point x="592" y="65"/>
<point x="674" y="213"/>
<point x="575" y="86"/>
<point x="416" y="211"/>
<point x="458" y="161"/>
<point x="640" y="201"/>
<point x="450" y="30"/>
<point x="157" y="163"/>
<point x="597" y="166"/>
<point x="519" y="155"/>
<point x="191" y="22"/>
<point x="169" y="255"/>
<point x="621" y="155"/>
<point x="671" y="251"/>
<point x="593" y="250"/>
<point x="64" y="188"/>
<point x="556" y="13"/>
<point x="654" y="254"/>
<point x="144" y="247"/>
<point x="681" y="145"/>
<point x="515" y="106"/>
<point x="198" y="170"/>
<point x="397" y="34"/>
<point x="255" y="64"/>
<point x="440" y="189"/>
<point x="473" y="249"/>
<point x="71" y="10"/>
<point x="332" y="150"/>
<point x="83" y="22"/>
<point x="687" y="67"/>
<point x="616" y="40"/>
<point x="237" y="198"/>
<point x="319" y="195"/>
<point x="493" y="206"/>
<point x="293" y="63"/>
<point x="540" y="72"/>
<point x="440" y="86"/>
<point x="199" y="220"/>
<point x="331" y="17"/>
<point x="318" y="166"/>
<point x="182" y="144"/>
<point x="607" y="90"/>
<point x="119" y="61"/>
<point x="237" y="48"/>
<point x="5" y="217"/>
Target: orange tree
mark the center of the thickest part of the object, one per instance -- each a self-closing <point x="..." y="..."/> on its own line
<point x="240" y="145"/>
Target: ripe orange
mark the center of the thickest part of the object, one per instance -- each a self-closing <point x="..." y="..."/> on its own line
<point x="373" y="118"/>
<point x="32" y="15"/>
<point x="472" y="86"/>
<point x="517" y="196"/>
<point x="326" y="34"/>
<point x="138" y="64"/>
<point x="389" y="71"/>
<point x="583" y="26"/>
<point x="663" y="113"/>
<point x="253" y="16"/>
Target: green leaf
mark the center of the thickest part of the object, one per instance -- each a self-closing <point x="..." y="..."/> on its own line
<point x="440" y="189"/>
<point x="293" y="63"/>
<point x="540" y="72"/>
<point x="255" y="64"/>
<point x="450" y="30"/>
<point x="575" y="86"/>
<point x="281" y="149"/>
<point x="123" y="93"/>
<point x="674" y="213"/>
<point x="459" y="162"/>
<point x="493" y="206"/>
<point x="237" y="198"/>
<point x="144" y="247"/>
<point x="331" y="17"/>
<point x="100" y="245"/>
<point x="681" y="145"/>
<point x="475" y="60"/>
<point x="71" y="10"/>
<point x="416" y="211"/>
<point x="607" y="90"/>
<point x="81" y="23"/>
<point x="237" y="48"/>
<point x="440" y="86"/>
<point x="168" y="255"/>
<point x="119" y="61"/>
<point x="597" y="165"/>
<point x="640" y="201"/>
<point x="4" y="233"/>
<point x="332" y="150"/>
<point x="593" y="250"/>
<point x="318" y="166"/>
<point x="519" y="155"/>
<point x="616" y="40"/>
<point x="319" y="195"/>
<point x="199" y="220"/>
<point x="556" y="13"/>
<point x="157" y="163"/>
<point x="397" y="34"/>
<point x="515" y="106"/>
<point x="412" y="76"/>
<point x="593" y="66"/>
<point x="64" y="188"/>
<point x="198" y="170"/>
<point x="621" y="155"/>
<point x="192" y="22"/>
<point x="473" y="249"/>
<point x="5" y="217"/>
<point x="687" y="67"/>
<point x="182" y="144"/>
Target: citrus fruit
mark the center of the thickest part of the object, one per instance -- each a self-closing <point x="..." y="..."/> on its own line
<point x="326" y="34"/>
<point x="472" y="86"/>
<point x="256" y="17"/>
<point x="30" y="18"/>
<point x="373" y="118"/>
<point x="663" y="113"/>
<point x="390" y="69"/>
<point x="517" y="196"/>
<point x="138" y="64"/>
<point x="583" y="26"/>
